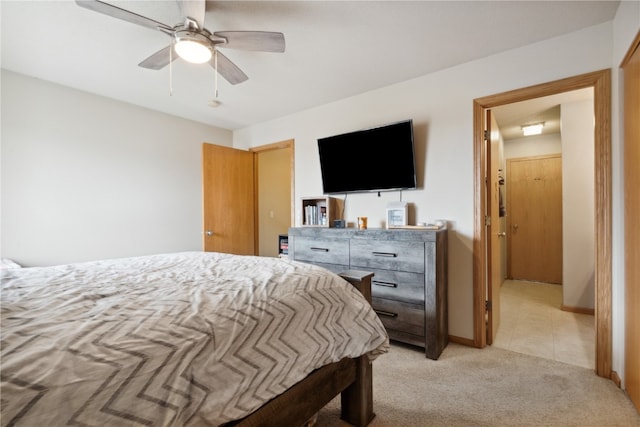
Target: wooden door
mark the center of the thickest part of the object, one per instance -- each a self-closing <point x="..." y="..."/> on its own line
<point x="534" y="220"/>
<point x="228" y="200"/>
<point x="631" y="156"/>
<point x="494" y="270"/>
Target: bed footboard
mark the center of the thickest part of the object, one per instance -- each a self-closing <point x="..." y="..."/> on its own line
<point x="351" y="377"/>
<point x="357" y="399"/>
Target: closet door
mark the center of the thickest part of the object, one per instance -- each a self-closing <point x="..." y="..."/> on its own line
<point x="534" y="204"/>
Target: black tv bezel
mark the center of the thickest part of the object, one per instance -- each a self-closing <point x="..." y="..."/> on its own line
<point x="362" y="131"/>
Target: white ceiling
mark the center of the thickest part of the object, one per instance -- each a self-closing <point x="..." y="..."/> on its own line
<point x="333" y="49"/>
<point x="512" y="117"/>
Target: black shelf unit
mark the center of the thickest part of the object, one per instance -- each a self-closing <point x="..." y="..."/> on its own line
<point x="283" y="245"/>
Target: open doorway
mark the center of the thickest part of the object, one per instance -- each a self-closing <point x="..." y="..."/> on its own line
<point x="232" y="190"/>
<point x="274" y="194"/>
<point x="600" y="83"/>
<point x="547" y="223"/>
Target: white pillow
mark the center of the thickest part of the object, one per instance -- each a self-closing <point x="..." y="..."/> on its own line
<point x="7" y="264"/>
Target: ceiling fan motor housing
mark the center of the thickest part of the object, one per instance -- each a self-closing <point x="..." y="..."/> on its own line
<point x="192" y="35"/>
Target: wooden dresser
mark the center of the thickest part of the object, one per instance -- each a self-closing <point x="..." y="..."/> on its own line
<point x="409" y="285"/>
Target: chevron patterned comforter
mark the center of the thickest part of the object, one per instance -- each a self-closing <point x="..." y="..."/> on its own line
<point x="171" y="340"/>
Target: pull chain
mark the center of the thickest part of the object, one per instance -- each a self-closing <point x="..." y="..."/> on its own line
<point x="215" y="63"/>
<point x="171" y="68"/>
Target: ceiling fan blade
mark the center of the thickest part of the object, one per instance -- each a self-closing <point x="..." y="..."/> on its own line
<point x="160" y="59"/>
<point x="227" y="69"/>
<point x="125" y="15"/>
<point x="193" y="9"/>
<point x="263" y="41"/>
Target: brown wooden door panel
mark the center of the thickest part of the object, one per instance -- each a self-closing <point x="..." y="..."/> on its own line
<point x="534" y="187"/>
<point x="228" y="200"/>
<point x="493" y="230"/>
<point x="632" y="223"/>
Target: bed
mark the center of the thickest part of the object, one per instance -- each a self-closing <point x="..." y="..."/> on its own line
<point x="184" y="339"/>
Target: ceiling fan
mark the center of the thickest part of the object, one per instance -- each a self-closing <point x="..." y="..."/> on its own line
<point x="192" y="42"/>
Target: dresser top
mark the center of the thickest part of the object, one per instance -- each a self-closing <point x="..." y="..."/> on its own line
<point x="399" y="234"/>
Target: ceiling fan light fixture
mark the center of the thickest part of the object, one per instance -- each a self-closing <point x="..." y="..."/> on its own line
<point x="193" y="47"/>
<point x="533" y="129"/>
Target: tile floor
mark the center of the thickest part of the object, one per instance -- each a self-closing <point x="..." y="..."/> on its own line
<point x="531" y="322"/>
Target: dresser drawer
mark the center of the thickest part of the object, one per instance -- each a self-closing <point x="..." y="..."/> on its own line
<point x="398" y="285"/>
<point x="388" y="255"/>
<point x="400" y="316"/>
<point x="321" y="251"/>
<point x="334" y="268"/>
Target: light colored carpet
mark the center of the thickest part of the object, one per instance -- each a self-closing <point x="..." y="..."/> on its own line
<point x="488" y="387"/>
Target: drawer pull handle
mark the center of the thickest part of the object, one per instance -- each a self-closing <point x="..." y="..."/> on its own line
<point x="385" y="284"/>
<point x="385" y="254"/>
<point x="386" y="313"/>
<point x="320" y="249"/>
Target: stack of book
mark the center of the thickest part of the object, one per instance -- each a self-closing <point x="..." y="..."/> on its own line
<point x="315" y="215"/>
<point x="283" y="249"/>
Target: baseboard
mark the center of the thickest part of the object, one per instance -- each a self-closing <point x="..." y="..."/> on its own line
<point x="616" y="379"/>
<point x="579" y="310"/>
<point x="464" y="341"/>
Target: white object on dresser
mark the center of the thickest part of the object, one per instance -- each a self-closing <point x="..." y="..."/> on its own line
<point x="397" y="214"/>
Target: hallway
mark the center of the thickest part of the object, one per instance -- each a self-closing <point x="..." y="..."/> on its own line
<point x="532" y="323"/>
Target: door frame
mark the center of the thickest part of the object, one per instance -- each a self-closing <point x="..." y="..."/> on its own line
<point x="631" y="226"/>
<point x="600" y="81"/>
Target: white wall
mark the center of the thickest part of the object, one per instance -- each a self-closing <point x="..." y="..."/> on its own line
<point x="535" y="145"/>
<point x="441" y="106"/>
<point x="578" y="217"/>
<point x="86" y="177"/>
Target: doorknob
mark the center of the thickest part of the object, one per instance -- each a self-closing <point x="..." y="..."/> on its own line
<point x="502" y="234"/>
<point x="209" y="233"/>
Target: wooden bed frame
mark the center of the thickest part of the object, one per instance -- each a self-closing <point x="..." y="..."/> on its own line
<point x="351" y="377"/>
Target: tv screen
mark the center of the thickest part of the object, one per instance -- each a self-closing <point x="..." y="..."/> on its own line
<point x="377" y="159"/>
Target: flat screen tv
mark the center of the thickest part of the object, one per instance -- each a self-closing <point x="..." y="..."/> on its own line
<point x="376" y="159"/>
